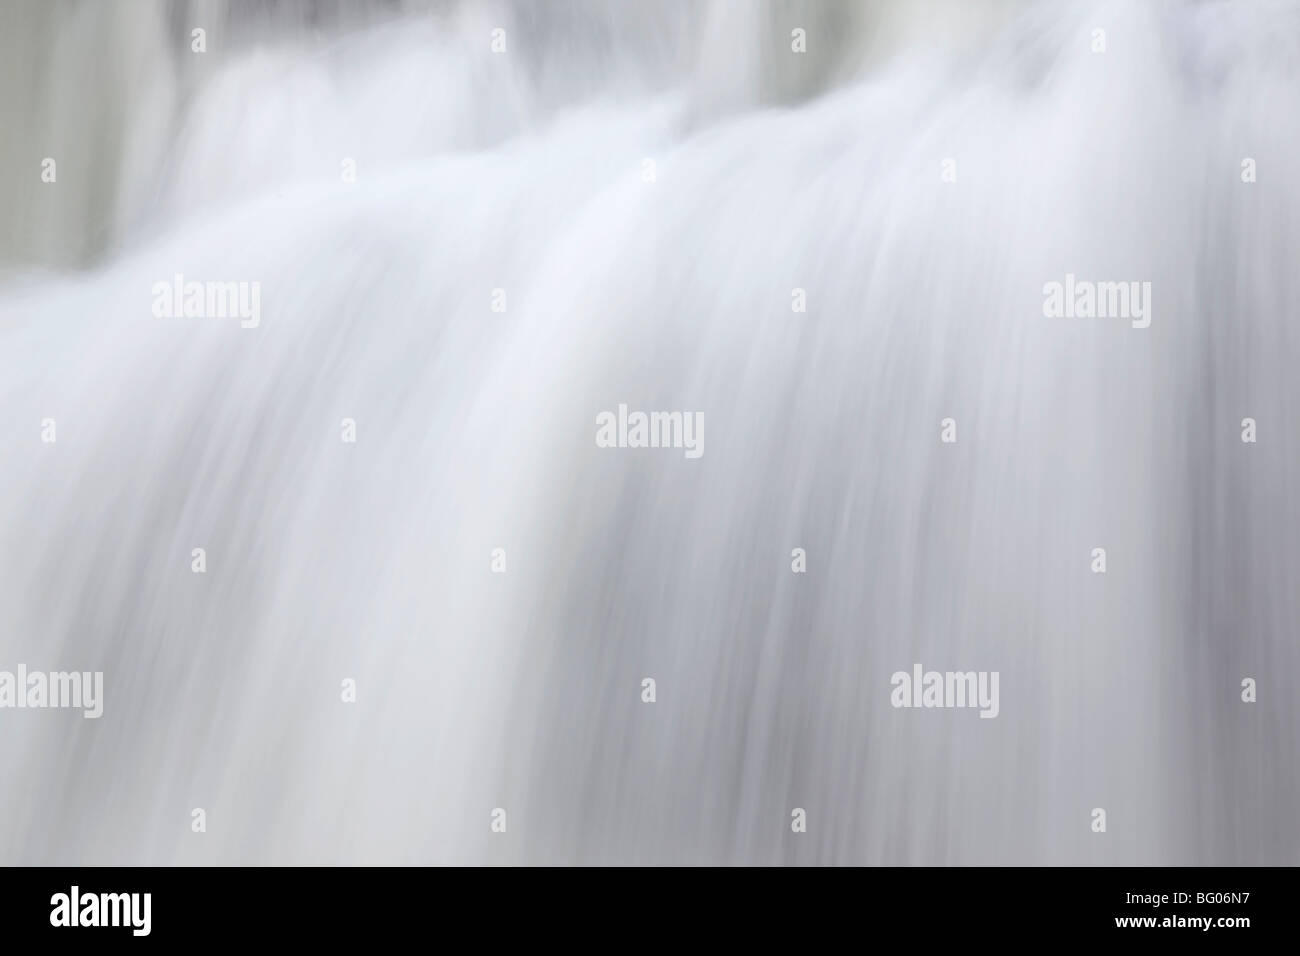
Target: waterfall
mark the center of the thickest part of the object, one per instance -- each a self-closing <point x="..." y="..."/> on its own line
<point x="463" y="257"/>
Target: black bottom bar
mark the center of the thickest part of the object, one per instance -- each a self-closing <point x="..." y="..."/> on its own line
<point x="335" y="906"/>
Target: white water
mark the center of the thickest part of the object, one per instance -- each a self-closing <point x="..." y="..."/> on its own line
<point x="475" y="431"/>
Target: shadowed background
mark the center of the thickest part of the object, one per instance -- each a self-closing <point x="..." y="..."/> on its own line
<point x="773" y="170"/>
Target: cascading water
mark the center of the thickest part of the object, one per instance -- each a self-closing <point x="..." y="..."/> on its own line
<point x="615" y="211"/>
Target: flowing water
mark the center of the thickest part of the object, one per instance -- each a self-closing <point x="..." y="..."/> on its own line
<point x="645" y="184"/>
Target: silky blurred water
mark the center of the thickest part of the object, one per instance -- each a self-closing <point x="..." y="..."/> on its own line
<point x="526" y="171"/>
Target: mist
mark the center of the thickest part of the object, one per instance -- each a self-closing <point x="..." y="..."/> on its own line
<point x="469" y="245"/>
